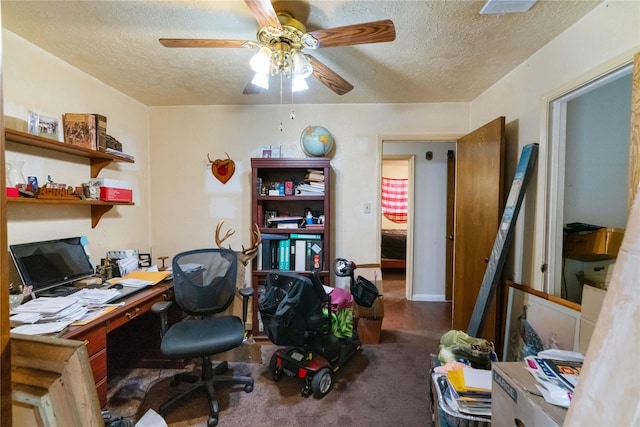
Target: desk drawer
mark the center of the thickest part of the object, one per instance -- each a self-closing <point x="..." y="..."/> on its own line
<point x="132" y="312"/>
<point x="99" y="365"/>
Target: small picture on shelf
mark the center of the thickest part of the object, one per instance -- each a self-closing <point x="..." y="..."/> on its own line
<point x="46" y="127"/>
<point x="266" y="151"/>
<point x="268" y="215"/>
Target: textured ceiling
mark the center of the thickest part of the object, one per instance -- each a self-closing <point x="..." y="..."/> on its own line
<point x="444" y="51"/>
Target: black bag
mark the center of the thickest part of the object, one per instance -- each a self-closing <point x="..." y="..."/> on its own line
<point x="288" y="307"/>
<point x="364" y="292"/>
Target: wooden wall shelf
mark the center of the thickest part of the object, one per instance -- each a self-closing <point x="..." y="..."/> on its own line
<point x="97" y="160"/>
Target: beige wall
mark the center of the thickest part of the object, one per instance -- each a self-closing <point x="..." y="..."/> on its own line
<point x="604" y="39"/>
<point x="187" y="202"/>
<point x="35" y="80"/>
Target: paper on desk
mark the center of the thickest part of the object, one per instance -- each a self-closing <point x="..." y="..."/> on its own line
<point x="46" y="305"/>
<point x="127" y="265"/>
<point x="152" y="277"/>
<point x="25" y="317"/>
<point x="40" y="328"/>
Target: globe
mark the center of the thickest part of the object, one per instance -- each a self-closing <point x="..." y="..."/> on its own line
<point x="316" y="141"/>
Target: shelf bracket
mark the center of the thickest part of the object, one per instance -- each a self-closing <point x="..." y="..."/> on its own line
<point x="96" y="213"/>
<point x="97" y="164"/>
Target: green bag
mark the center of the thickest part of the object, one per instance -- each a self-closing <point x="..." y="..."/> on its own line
<point x="456" y="345"/>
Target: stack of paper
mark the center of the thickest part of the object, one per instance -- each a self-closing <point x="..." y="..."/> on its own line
<point x="470" y="390"/>
<point x="51" y="314"/>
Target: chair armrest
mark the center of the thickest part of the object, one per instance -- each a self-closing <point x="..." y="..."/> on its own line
<point x="162" y="308"/>
<point x="245" y="293"/>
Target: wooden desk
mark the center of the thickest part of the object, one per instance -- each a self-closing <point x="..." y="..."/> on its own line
<point x="95" y="332"/>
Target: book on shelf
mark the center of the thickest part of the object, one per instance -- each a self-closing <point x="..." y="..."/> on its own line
<point x="306" y="189"/>
<point x="293" y="236"/>
<point x="285" y="221"/>
<point x="314" y="175"/>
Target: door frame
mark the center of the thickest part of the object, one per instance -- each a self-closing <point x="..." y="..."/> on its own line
<point x="411" y="160"/>
<point x="391" y="139"/>
<point x="555" y="122"/>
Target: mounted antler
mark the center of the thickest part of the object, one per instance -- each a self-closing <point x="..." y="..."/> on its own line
<point x="247" y="254"/>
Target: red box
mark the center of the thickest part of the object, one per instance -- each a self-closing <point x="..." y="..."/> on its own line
<point x="111" y="194"/>
<point x="12" y="192"/>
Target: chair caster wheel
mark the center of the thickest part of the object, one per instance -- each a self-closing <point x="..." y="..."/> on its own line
<point x="248" y="388"/>
<point x="212" y="422"/>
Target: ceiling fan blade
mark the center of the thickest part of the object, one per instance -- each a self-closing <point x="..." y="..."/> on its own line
<point x="205" y="43"/>
<point x="251" y="89"/>
<point x="329" y="78"/>
<point x="369" y="32"/>
<point x="264" y="13"/>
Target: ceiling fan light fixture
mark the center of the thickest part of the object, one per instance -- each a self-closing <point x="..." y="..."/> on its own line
<point x="301" y="65"/>
<point x="261" y="80"/>
<point x="261" y="61"/>
<point x="299" y="84"/>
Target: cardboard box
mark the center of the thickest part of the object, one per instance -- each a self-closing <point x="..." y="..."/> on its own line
<point x="376" y="311"/>
<point x="369" y="330"/>
<point x="513" y="405"/>
<point x="592" y="299"/>
<point x="111" y="194"/>
<point x="595" y="245"/>
<point x="599" y="272"/>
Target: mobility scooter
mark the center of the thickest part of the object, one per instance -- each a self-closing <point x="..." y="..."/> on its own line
<point x="291" y="309"/>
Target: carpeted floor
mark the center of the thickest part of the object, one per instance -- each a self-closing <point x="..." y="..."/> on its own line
<point x="386" y="384"/>
<point x="383" y="385"/>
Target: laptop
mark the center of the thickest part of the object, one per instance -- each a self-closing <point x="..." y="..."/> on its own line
<point x="52" y="267"/>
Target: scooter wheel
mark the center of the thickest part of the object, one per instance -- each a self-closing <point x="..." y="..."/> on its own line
<point x="273" y="366"/>
<point x="321" y="382"/>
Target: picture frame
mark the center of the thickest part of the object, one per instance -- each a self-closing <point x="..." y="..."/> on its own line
<point x="43" y="126"/>
<point x="555" y="321"/>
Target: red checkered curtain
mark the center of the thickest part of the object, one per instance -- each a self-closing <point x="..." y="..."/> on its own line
<point x="395" y="197"/>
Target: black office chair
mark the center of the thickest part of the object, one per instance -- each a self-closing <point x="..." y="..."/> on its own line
<point x="204" y="283"/>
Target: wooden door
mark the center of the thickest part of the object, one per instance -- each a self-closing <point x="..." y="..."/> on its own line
<point x="478" y="209"/>
<point x="451" y="191"/>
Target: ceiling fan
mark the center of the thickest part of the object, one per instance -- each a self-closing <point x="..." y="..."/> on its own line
<point x="281" y="40"/>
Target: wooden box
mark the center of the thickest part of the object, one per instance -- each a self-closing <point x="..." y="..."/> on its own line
<point x="369" y="330"/>
<point x="85" y="130"/>
<point x="52" y="383"/>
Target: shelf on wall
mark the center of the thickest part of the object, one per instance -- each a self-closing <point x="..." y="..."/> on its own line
<point x="97" y="159"/>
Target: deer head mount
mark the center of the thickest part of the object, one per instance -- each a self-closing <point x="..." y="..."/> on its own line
<point x="247" y="254"/>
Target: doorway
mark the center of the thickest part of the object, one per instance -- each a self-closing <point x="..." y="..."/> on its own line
<point x="588" y="168"/>
<point x="426" y="223"/>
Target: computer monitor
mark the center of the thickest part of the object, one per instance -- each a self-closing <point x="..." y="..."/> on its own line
<point x="52" y="263"/>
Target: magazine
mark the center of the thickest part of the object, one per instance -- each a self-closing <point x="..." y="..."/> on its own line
<point x="557" y="379"/>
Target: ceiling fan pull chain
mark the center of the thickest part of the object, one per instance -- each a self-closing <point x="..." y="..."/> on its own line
<point x="281" y="108"/>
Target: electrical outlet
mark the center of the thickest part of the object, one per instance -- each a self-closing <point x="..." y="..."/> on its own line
<point x="366" y="208"/>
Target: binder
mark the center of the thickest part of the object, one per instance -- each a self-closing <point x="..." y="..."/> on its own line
<point x="300" y="251"/>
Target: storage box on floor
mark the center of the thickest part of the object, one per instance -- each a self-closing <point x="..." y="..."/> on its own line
<point x="513" y="402"/>
<point x="368" y="320"/>
<point x="592" y="299"/>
